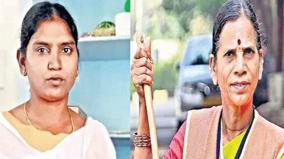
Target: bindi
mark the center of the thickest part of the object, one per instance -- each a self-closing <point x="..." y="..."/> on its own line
<point x="239" y="41"/>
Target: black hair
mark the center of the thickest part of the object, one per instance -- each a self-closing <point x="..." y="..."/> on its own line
<point x="40" y="12"/>
<point x="230" y="11"/>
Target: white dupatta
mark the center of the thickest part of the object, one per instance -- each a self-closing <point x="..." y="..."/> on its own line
<point x="89" y="142"/>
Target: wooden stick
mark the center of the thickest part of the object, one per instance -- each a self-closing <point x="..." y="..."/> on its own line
<point x="151" y="121"/>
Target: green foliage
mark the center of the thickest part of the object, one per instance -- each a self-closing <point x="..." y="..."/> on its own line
<point x="166" y="75"/>
<point x="182" y="18"/>
<point x="182" y="9"/>
<point x="209" y="9"/>
<point x="166" y="25"/>
<point x="187" y="7"/>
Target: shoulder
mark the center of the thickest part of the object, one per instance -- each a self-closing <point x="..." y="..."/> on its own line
<point x="95" y="123"/>
<point x="271" y="135"/>
<point x="175" y="149"/>
<point x="200" y="113"/>
<point x="269" y="127"/>
<point x="97" y="132"/>
<point x="98" y="136"/>
<point x="96" y="126"/>
<point x="18" y="113"/>
<point x="207" y="110"/>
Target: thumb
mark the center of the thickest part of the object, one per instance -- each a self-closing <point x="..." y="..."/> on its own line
<point x="147" y="46"/>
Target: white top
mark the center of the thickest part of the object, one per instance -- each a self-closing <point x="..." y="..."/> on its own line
<point x="89" y="142"/>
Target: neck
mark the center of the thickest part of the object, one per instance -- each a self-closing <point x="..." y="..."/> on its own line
<point x="52" y="116"/>
<point x="235" y="120"/>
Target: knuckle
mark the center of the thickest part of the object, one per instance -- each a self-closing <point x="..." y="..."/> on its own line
<point x="144" y="70"/>
<point x="144" y="60"/>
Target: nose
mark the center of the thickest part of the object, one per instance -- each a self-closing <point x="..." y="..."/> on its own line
<point x="54" y="62"/>
<point x="240" y="65"/>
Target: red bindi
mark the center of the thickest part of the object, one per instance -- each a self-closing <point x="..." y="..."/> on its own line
<point x="239" y="42"/>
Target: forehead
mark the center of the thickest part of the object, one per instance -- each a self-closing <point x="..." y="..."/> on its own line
<point x="240" y="31"/>
<point x="54" y="30"/>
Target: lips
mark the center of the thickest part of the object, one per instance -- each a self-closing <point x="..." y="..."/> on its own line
<point x="55" y="80"/>
<point x="240" y="87"/>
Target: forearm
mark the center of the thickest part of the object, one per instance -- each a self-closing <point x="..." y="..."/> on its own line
<point x="143" y="129"/>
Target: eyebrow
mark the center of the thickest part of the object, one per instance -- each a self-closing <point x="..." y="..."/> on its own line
<point x="68" y="43"/>
<point x="229" y="50"/>
<point x="41" y="43"/>
<point x="47" y="44"/>
<point x="243" y="48"/>
<point x="248" y="47"/>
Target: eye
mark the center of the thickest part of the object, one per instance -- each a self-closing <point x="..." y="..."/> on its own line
<point x="42" y="50"/>
<point x="248" y="51"/>
<point x="66" y="50"/>
<point x="229" y="53"/>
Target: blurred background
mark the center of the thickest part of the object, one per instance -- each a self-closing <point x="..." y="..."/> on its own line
<point x="181" y="41"/>
<point x="104" y="45"/>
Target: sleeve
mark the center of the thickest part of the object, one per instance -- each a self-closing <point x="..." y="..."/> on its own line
<point x="175" y="149"/>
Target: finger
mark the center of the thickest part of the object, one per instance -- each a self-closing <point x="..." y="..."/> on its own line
<point x="140" y="53"/>
<point x="142" y="62"/>
<point x="139" y="40"/>
<point x="139" y="73"/>
<point x="142" y="79"/>
<point x="137" y="53"/>
<point x="143" y="70"/>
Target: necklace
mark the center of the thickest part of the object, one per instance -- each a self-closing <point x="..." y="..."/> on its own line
<point x="30" y="122"/>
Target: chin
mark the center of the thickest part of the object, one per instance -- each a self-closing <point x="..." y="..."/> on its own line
<point x="241" y="100"/>
<point x="55" y="96"/>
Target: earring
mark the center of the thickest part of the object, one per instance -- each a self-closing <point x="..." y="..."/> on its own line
<point x="260" y="76"/>
<point x="24" y="73"/>
<point x="215" y="82"/>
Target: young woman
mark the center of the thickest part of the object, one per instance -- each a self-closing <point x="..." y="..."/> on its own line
<point x="234" y="129"/>
<point x="44" y="126"/>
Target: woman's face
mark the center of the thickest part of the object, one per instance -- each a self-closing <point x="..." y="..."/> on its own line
<point x="239" y="64"/>
<point x="51" y="61"/>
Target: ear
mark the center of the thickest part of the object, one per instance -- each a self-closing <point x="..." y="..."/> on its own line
<point x="261" y="61"/>
<point x="22" y="62"/>
<point x="77" y="73"/>
<point x="212" y="67"/>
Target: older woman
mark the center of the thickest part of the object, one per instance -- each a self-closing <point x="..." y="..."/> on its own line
<point x="234" y="129"/>
<point x="44" y="126"/>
